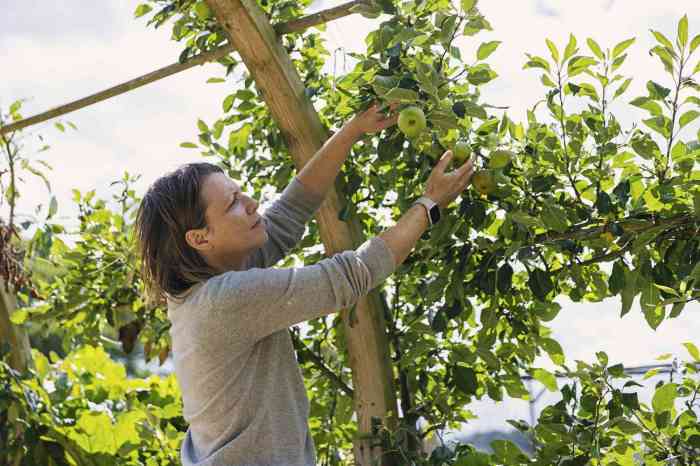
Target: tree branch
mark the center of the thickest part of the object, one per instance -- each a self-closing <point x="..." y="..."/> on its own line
<point x="322" y="366"/>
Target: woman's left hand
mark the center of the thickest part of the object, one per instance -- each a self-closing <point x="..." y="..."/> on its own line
<point x="373" y="120"/>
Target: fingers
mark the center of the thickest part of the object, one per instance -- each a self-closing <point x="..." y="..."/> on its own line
<point x="464" y="178"/>
<point x="385" y="123"/>
<point x="444" y="161"/>
<point x="466" y="167"/>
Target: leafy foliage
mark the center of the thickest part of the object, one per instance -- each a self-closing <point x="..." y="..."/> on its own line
<point x="584" y="209"/>
<point x="84" y="410"/>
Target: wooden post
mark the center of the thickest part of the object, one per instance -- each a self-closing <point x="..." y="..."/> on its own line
<point x="15" y="336"/>
<point x="254" y="38"/>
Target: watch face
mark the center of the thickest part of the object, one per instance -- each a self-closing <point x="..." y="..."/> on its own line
<point x="434" y="214"/>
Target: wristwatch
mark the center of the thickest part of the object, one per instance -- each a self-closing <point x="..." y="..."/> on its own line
<point x="431" y="208"/>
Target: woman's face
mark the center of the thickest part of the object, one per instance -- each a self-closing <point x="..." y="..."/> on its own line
<point x="234" y="227"/>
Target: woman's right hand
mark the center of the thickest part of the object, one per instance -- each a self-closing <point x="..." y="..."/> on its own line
<point x="443" y="187"/>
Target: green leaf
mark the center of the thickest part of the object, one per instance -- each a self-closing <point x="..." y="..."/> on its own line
<point x="245" y="94"/>
<point x="60" y="127"/>
<point x="16" y="105"/>
<point x="444" y="120"/>
<point x="688" y="117"/>
<point x="652" y="202"/>
<point x="474" y="110"/>
<point x="53" y="207"/>
<point x="19" y="316"/>
<point x="401" y="94"/>
<point x="621" y="47"/>
<point x="665" y="57"/>
<point x="546" y="378"/>
<point x="616" y="282"/>
<point x="697" y="68"/>
<point x="467" y="5"/>
<point x="553" y="50"/>
<point x="570" y="48"/>
<point x="692" y="350"/>
<point x="683" y="31"/>
<point x="546" y="311"/>
<point x="465" y="379"/>
<point x="507" y="452"/>
<point x="597" y="51"/>
<point x="202" y="10"/>
<point x="481" y="74"/>
<point x="188" y="145"/>
<point x="486" y="49"/>
<point x="547" y="81"/>
<point x="629" y="291"/>
<point x="650" y="304"/>
<point x="628" y="427"/>
<point x="664" y="397"/>
<point x="631" y="400"/>
<point x="695" y="43"/>
<point x="657" y="91"/>
<point x="554" y="217"/>
<point x="660" y="124"/>
<point x="647" y="104"/>
<point x="216" y="80"/>
<point x="579" y="64"/>
<point x="536" y="62"/>
<point x="504" y="279"/>
<point x="618" y="62"/>
<point x="94" y="433"/>
<point x="142" y="10"/>
<point x="474" y="458"/>
<point x="228" y="102"/>
<point x="646" y="147"/>
<point x="620" y="90"/>
<point x="554" y="350"/>
<point x="679" y="151"/>
<point x="667" y="289"/>
<point x="662" y="39"/>
<point x="524" y="219"/>
<point x="202" y="126"/>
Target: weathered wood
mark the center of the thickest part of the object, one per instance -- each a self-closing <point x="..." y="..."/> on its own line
<point x="278" y="82"/>
<point x="20" y="353"/>
<point x="15" y="336"/>
<point x="295" y="25"/>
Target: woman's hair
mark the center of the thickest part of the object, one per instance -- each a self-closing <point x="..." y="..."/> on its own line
<point x="172" y="205"/>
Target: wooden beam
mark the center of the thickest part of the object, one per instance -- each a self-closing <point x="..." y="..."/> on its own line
<point x="280" y="85"/>
<point x="295" y="25"/>
<point x="321" y="17"/>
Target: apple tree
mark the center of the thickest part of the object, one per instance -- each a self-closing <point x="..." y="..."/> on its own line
<point x="565" y="204"/>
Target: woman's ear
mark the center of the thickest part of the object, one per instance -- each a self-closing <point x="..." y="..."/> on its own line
<point x="198" y="239"/>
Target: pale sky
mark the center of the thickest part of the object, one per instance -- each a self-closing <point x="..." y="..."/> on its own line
<point x="52" y="52"/>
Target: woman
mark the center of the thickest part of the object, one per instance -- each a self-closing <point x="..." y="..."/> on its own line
<point x="206" y="249"/>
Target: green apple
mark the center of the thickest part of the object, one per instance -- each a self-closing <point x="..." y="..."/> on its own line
<point x="484" y="181"/>
<point x="202" y="10"/>
<point x="461" y="152"/>
<point x="500" y="158"/>
<point x="411" y="121"/>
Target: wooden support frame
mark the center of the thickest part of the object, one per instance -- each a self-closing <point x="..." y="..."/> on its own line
<point x="277" y="80"/>
<point x="295" y="25"/>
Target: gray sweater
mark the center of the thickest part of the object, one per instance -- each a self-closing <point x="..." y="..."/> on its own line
<point x="242" y="389"/>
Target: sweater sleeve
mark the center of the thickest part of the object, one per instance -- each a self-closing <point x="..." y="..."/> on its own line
<point x="255" y="303"/>
<point x="285" y="222"/>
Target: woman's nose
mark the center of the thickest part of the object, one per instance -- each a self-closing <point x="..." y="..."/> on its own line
<point x="252" y="206"/>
